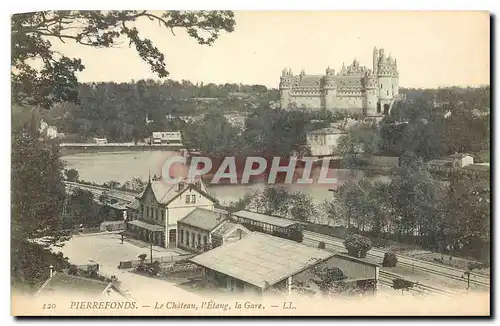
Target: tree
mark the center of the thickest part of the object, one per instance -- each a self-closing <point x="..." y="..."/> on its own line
<point x="360" y="139"/>
<point x="329" y="280"/>
<point x="82" y="210"/>
<point x="71" y="175"/>
<point x="138" y="185"/>
<point x="302" y="207"/>
<point x="352" y="197"/>
<point x="213" y="135"/>
<point x="241" y="203"/>
<point x="467" y="215"/>
<point x="434" y="123"/>
<point x="401" y="284"/>
<point x="56" y="80"/>
<point x="37" y="188"/>
<point x="357" y="245"/>
<point x="278" y="201"/>
<point x="276" y="132"/>
<point x="414" y="198"/>
<point x="333" y="210"/>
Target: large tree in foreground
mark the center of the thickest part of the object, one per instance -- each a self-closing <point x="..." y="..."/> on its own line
<point x="55" y="80"/>
<point x="41" y="77"/>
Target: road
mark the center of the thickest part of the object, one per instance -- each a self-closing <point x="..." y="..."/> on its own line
<point x="108" y="251"/>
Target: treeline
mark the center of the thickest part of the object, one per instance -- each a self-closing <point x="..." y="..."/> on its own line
<point x="412" y="208"/>
<point x="435" y="124"/>
<point x="119" y="111"/>
<point x="415" y="208"/>
<point x="266" y="132"/>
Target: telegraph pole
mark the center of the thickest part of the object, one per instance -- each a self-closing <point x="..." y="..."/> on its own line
<point x="468" y="279"/>
<point x="151" y="246"/>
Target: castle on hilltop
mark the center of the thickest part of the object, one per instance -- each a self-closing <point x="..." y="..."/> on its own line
<point x="355" y="88"/>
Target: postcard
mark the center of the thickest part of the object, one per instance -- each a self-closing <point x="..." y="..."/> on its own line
<point x="250" y="163"/>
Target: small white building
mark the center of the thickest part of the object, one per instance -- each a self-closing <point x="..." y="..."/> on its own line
<point x="166" y="137"/>
<point x="323" y="142"/>
<point x="100" y="141"/>
<point x="460" y="160"/>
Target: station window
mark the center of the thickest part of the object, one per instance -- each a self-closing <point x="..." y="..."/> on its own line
<point x="188" y="199"/>
<point x="193" y="199"/>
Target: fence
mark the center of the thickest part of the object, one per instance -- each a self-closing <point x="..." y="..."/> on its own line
<point x="89" y="267"/>
<point x="85" y="230"/>
<point x="112" y="226"/>
<point x="163" y="259"/>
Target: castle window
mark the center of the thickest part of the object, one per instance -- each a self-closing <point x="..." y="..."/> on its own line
<point x="380" y="86"/>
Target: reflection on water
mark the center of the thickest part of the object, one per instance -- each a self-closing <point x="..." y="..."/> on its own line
<point x="123" y="166"/>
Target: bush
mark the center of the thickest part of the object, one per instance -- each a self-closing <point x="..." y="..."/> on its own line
<point x="400" y="284"/>
<point x="357" y="245"/>
<point x="296" y="235"/>
<point x="140" y="268"/>
<point x="390" y="259"/>
<point x="155" y="268"/>
<point x="73" y="270"/>
<point x="142" y="258"/>
<point x="321" y="245"/>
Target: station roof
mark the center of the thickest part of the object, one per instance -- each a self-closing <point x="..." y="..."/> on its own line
<point x="204" y="219"/>
<point x="261" y="259"/>
<point x="147" y="226"/>
<point x="268" y="219"/>
<point x="60" y="283"/>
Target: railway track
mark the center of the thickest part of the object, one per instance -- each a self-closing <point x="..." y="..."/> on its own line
<point x="96" y="190"/>
<point x="385" y="278"/>
<point x="479" y="280"/>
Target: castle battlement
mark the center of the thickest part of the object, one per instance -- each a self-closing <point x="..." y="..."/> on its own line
<point x="354" y="87"/>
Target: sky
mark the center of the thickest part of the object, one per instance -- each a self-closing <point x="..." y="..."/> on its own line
<point x="433" y="49"/>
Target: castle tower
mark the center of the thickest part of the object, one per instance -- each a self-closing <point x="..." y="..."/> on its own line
<point x="285" y="87"/>
<point x="370" y="98"/>
<point x="384" y="87"/>
<point x="375" y="60"/>
<point x="329" y="89"/>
